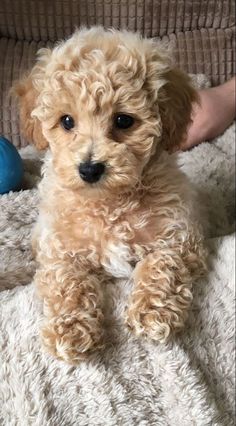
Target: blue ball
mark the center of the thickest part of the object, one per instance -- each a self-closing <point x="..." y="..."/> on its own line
<point x="11" y="167"/>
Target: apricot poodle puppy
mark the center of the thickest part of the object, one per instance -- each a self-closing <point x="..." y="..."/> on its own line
<point x="109" y="105"/>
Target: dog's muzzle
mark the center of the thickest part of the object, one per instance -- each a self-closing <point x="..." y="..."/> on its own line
<point x="91" y="172"/>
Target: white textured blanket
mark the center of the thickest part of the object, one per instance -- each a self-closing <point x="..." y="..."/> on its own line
<point x="131" y="382"/>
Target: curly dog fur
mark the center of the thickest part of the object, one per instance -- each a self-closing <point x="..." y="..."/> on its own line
<point x="137" y="220"/>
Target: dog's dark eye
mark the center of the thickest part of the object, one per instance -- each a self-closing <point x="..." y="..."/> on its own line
<point x="67" y="122"/>
<point x="124" y="121"/>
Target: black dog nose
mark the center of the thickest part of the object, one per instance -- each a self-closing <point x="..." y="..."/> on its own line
<point x="91" y="172"/>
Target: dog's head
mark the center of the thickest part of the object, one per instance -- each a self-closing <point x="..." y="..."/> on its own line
<point x="103" y="101"/>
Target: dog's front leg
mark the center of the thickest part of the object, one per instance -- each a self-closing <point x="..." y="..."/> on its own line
<point x="72" y="307"/>
<point x="162" y="292"/>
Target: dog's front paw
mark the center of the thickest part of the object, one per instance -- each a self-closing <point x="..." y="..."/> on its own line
<point x="72" y="338"/>
<point x="155" y="320"/>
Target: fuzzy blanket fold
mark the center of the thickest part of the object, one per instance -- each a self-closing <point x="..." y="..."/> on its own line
<point x="131" y="382"/>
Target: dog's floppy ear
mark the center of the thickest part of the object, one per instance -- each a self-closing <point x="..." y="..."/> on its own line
<point x="27" y="94"/>
<point x="30" y="126"/>
<point x="175" y="100"/>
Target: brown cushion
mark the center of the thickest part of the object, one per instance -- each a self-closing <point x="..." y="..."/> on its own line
<point x="54" y="19"/>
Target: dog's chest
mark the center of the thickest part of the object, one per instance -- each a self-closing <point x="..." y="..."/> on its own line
<point x="128" y="243"/>
<point x="117" y="259"/>
<point x="108" y="242"/>
<point x="115" y="242"/>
